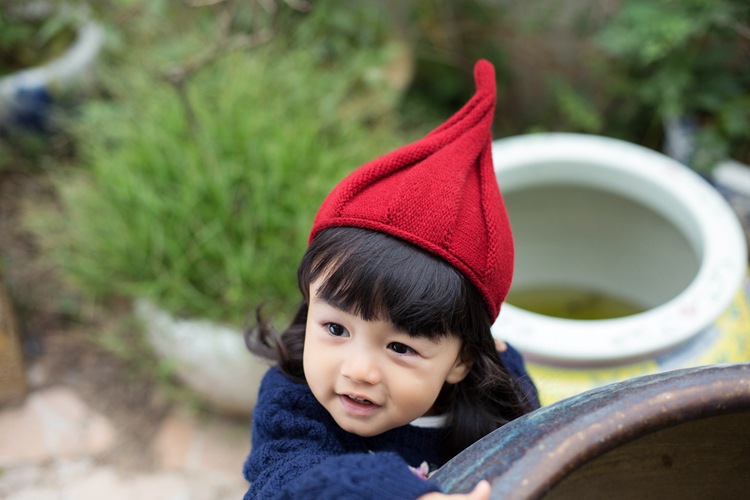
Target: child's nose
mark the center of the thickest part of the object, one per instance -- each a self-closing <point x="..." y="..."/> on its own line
<point x="361" y="366"/>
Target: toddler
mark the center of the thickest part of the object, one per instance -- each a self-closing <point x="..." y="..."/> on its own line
<point x="389" y="368"/>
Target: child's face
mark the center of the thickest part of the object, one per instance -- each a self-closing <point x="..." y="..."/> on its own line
<point x="369" y="376"/>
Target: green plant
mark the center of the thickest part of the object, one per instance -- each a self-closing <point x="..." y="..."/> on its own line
<point x="199" y="195"/>
<point x="447" y="39"/>
<point x="686" y="58"/>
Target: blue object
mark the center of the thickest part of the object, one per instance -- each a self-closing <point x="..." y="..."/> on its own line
<point x="30" y="109"/>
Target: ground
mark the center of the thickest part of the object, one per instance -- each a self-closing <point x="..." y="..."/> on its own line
<point x="60" y="336"/>
<point x="101" y="415"/>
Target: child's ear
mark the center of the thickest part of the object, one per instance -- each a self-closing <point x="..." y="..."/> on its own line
<point x="458" y="371"/>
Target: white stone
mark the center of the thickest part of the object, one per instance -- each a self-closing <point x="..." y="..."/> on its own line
<point x="52" y="424"/>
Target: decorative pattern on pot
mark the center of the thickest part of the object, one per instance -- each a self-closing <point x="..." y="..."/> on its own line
<point x="627" y="263"/>
<point x="209" y="358"/>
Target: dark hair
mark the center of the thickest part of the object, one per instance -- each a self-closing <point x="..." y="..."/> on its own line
<point x="377" y="276"/>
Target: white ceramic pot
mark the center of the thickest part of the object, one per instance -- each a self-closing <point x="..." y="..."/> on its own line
<point x="618" y="220"/>
<point x="209" y="358"/>
<point x="25" y="95"/>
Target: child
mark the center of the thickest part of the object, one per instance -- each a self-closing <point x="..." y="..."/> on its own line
<point x="389" y="368"/>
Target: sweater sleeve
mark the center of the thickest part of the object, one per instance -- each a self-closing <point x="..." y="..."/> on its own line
<point x="297" y="454"/>
<point x="358" y="476"/>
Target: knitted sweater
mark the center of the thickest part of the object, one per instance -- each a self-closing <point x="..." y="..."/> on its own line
<point x="299" y="452"/>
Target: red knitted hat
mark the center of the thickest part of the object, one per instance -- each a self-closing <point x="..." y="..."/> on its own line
<point x="439" y="193"/>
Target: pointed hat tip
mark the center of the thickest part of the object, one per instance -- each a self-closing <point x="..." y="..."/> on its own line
<point x="439" y="194"/>
<point x="484" y="76"/>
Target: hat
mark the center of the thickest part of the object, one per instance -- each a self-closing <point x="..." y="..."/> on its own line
<point x="440" y="194"/>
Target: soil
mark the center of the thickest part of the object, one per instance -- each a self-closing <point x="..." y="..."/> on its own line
<point x="64" y="338"/>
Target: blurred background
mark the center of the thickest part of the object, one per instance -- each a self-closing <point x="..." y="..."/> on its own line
<point x="162" y="160"/>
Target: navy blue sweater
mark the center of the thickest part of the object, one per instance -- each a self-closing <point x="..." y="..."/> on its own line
<point x="298" y="450"/>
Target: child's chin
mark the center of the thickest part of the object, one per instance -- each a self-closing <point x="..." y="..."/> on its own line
<point x="362" y="430"/>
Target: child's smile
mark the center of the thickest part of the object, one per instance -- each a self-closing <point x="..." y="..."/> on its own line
<point x="370" y="376"/>
<point x="358" y="405"/>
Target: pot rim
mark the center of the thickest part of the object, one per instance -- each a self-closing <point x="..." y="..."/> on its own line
<point x="60" y="72"/>
<point x="698" y="211"/>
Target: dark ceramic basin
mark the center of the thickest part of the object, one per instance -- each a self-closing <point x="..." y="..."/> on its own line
<point x="678" y="434"/>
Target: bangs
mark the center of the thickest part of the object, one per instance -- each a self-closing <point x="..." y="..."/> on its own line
<point x="379" y="277"/>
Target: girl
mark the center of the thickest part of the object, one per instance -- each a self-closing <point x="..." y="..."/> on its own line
<point x="389" y="368"/>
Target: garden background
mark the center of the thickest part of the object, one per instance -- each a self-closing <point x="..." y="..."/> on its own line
<point x="185" y="170"/>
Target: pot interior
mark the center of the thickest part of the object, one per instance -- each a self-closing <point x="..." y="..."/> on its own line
<point x="588" y="252"/>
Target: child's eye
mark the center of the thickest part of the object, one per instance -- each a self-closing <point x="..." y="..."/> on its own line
<point x="337" y="330"/>
<point x="400" y="348"/>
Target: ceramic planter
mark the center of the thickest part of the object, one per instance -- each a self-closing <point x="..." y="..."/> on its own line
<point x="209" y="358"/>
<point x="606" y="218"/>
<point x="26" y="96"/>
<point x="676" y="434"/>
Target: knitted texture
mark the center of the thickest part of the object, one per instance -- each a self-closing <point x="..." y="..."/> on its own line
<point x="299" y="452"/>
<point x="440" y="194"/>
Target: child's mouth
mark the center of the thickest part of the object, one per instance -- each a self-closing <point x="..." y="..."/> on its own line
<point x="357" y="405"/>
<point x="360" y="400"/>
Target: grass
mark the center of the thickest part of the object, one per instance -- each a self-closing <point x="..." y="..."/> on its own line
<point x="205" y="209"/>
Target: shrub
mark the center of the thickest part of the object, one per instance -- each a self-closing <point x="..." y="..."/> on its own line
<point x="205" y="208"/>
<point x="690" y="59"/>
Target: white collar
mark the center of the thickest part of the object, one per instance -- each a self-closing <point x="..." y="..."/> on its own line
<point x="431" y="422"/>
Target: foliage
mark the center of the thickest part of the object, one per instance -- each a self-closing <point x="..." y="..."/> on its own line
<point x="202" y="201"/>
<point x="448" y="37"/>
<point x="686" y="58"/>
<point x="578" y="112"/>
<point x="197" y="186"/>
